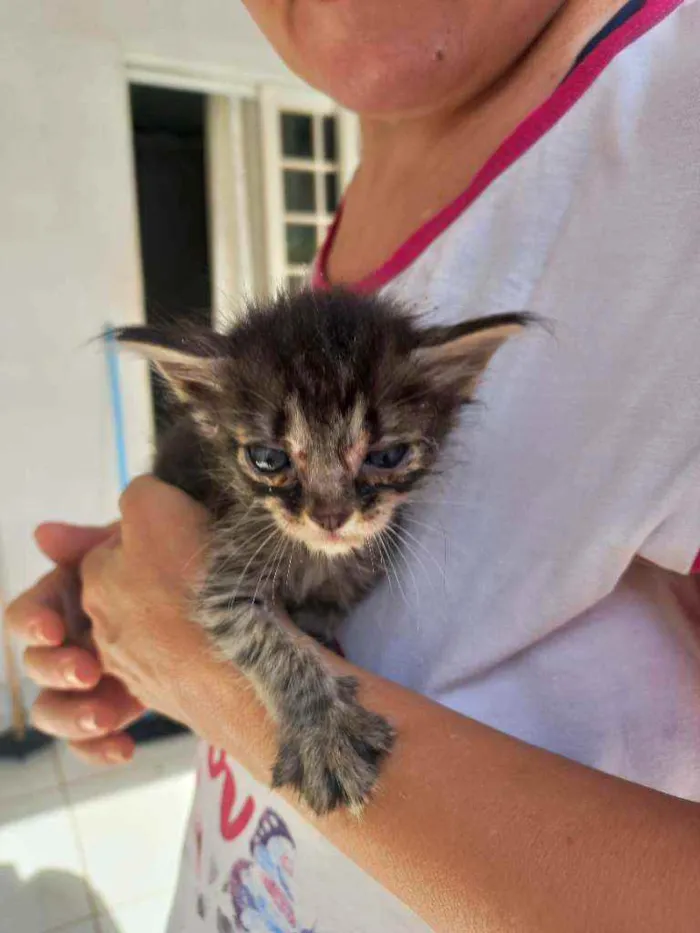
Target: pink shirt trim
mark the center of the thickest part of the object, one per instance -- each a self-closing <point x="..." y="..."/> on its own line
<point x="532" y="129"/>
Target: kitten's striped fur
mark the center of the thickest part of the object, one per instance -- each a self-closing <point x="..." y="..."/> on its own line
<point x="337" y="383"/>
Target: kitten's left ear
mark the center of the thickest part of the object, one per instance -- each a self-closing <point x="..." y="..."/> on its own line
<point x="191" y="364"/>
<point x="456" y="357"/>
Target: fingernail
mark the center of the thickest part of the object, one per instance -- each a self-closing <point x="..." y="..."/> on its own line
<point x="88" y="723"/>
<point x="81" y="674"/>
<point x="115" y="756"/>
<point x="37" y="633"/>
<point x="70" y="676"/>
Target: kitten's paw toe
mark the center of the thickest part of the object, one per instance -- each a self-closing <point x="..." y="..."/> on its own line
<point x="334" y="762"/>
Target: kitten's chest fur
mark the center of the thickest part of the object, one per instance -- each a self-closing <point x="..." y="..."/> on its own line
<point x="314" y="590"/>
<point x="332" y="583"/>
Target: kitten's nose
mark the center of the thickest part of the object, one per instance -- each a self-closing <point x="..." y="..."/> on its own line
<point x="330" y="517"/>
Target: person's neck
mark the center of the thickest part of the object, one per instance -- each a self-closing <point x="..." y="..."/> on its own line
<point x="412" y="167"/>
<point x="535" y="70"/>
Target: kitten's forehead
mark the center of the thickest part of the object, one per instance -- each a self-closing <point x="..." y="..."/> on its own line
<point x="328" y="434"/>
<point x="329" y="415"/>
<point x="324" y="376"/>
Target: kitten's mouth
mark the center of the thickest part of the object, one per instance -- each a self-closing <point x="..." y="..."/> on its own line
<point x="342" y="541"/>
<point x="356" y="534"/>
<point x="352" y="536"/>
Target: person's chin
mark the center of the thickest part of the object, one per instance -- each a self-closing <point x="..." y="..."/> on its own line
<point x="372" y="86"/>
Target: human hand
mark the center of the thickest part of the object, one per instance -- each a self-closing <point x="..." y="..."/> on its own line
<point x="77" y="703"/>
<point x="137" y="586"/>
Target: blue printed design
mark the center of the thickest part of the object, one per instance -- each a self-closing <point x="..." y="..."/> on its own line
<point x="261" y="888"/>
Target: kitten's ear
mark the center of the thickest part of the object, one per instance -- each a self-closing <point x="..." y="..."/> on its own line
<point x="192" y="365"/>
<point x="457" y="356"/>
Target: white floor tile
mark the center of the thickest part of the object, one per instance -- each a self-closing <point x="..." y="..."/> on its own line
<point x="164" y="756"/>
<point x="149" y="916"/>
<point x="88" y="926"/>
<point x="72" y="768"/>
<point x="41" y="887"/>
<point x="37" y="773"/>
<point x="131" y="834"/>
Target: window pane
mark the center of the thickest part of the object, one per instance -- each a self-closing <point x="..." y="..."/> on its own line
<point x="297" y="135"/>
<point x="329" y="143"/>
<point x="331" y="192"/>
<point x="301" y="243"/>
<point x="299" y="191"/>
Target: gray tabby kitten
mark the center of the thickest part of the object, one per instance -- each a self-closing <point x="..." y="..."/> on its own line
<point x="304" y="429"/>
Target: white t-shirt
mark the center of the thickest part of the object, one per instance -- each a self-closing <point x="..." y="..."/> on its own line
<point x="520" y="600"/>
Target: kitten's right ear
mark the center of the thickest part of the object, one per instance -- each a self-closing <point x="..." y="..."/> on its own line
<point x="192" y="364"/>
<point x="457" y="356"/>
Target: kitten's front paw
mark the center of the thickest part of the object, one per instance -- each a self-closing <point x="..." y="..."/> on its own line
<point x="333" y="758"/>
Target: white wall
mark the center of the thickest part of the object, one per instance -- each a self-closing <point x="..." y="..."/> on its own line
<point x="68" y="249"/>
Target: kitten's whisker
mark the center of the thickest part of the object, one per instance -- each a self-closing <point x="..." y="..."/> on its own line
<point x="405" y="545"/>
<point x="370" y="551"/>
<point x="419" y="500"/>
<point x="223" y="527"/>
<point x="280" y="552"/>
<point x="289" y="562"/>
<point x="414" y="615"/>
<point x="279" y="561"/>
<point x="241" y="576"/>
<point x="448" y="542"/>
<point x="406" y="534"/>
<point x="266" y="571"/>
<point x="392" y="564"/>
<point x="392" y="531"/>
<point x="195" y="555"/>
<point x="231" y="554"/>
<point x="383" y="562"/>
<point x="407" y="517"/>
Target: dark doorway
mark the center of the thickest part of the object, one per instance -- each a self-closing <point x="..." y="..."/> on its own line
<point x="169" y="150"/>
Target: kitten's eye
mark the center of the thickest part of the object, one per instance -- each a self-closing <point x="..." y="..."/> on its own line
<point x="268" y="459"/>
<point x="387" y="459"/>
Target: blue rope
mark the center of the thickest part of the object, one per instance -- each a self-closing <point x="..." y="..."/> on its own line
<point x="117" y="405"/>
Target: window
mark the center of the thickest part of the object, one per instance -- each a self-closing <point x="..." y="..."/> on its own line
<point x="309" y="151"/>
<point x="310" y="170"/>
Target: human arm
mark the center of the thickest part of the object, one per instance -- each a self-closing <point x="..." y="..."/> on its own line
<point x="472" y="829"/>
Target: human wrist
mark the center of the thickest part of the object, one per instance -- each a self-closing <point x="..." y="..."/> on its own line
<point x="221" y="707"/>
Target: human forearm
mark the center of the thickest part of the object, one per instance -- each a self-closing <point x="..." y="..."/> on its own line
<point x="474" y="830"/>
<point x="477" y="831"/>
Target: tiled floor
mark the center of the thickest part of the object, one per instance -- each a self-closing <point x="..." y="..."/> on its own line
<point x="84" y="850"/>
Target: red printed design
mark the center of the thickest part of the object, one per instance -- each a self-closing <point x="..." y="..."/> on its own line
<point x="231" y="824"/>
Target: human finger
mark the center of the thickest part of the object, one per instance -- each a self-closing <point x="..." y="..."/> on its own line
<point x="115" y="749"/>
<point x="64" y="668"/>
<point x="68" y="544"/>
<point x="81" y="716"/>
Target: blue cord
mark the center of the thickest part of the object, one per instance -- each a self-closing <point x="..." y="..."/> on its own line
<point x="115" y="392"/>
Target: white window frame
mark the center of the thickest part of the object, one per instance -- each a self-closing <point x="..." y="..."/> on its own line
<point x="273" y="101"/>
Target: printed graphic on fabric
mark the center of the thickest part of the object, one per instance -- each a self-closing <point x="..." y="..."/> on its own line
<point x="262" y="888"/>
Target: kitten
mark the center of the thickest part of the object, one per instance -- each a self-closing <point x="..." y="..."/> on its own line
<point x="304" y="430"/>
